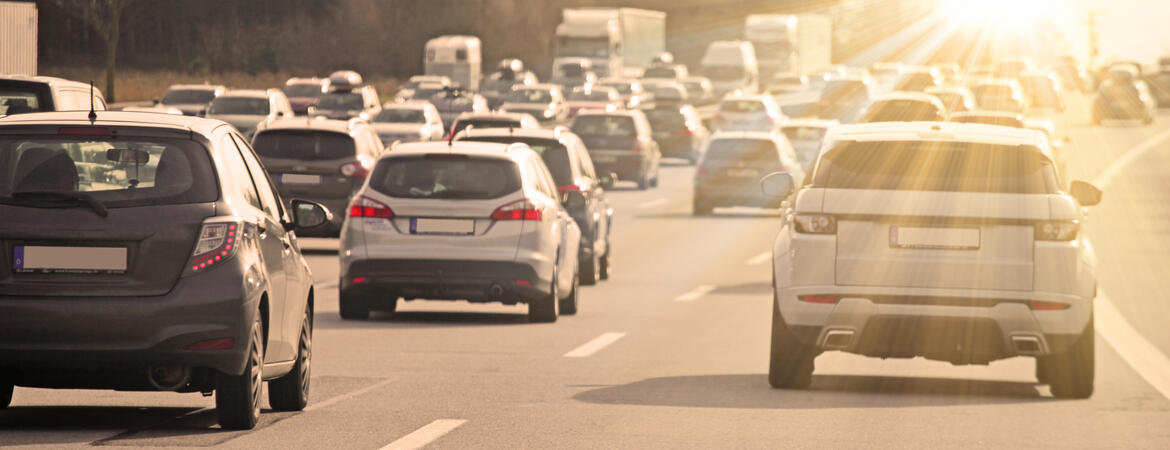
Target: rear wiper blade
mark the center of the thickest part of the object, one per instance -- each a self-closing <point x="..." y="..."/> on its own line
<point x="36" y="198"/>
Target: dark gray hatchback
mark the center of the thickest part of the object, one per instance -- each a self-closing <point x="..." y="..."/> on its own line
<point x="144" y="251"/>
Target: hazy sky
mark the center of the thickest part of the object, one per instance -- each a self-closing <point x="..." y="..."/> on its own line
<point x="1129" y="29"/>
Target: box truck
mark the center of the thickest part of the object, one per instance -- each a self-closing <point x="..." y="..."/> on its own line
<point x="18" y="38"/>
<point x="617" y="41"/>
<point x="791" y="43"/>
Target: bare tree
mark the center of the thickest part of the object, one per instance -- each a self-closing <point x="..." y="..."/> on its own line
<point x="103" y="16"/>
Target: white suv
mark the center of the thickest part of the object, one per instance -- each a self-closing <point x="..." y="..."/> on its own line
<point x="474" y="221"/>
<point x="954" y="242"/>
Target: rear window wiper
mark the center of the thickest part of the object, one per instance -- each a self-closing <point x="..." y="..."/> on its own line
<point x="56" y="199"/>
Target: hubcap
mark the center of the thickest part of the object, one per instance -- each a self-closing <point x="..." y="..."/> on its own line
<point x="257" y="377"/>
<point x="306" y="355"/>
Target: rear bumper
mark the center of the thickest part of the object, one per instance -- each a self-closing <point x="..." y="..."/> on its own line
<point x="477" y="281"/>
<point x="627" y="167"/>
<point x="126" y="334"/>
<point x="746" y="195"/>
<point x="676" y="146"/>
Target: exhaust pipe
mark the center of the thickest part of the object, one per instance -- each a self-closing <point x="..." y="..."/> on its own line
<point x="168" y="378"/>
<point x="838" y="339"/>
<point x="495" y="291"/>
<point x="1028" y="345"/>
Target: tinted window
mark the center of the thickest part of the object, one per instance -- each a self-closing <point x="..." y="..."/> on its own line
<point x="401" y="115"/>
<point x="302" y="90"/>
<point x="936" y="166"/>
<point x="751" y="151"/>
<point x="659" y="72"/>
<point x="622" y="88"/>
<point x="666" y="119"/>
<point x="341" y="101"/>
<point x="842" y="90"/>
<point x="239" y="105"/>
<point x="445" y="176"/>
<point x="902" y="111"/>
<point x="603" y="132"/>
<point x="17" y="100"/>
<point x="590" y="96"/>
<point x="185" y="96"/>
<point x="915" y="82"/>
<point x="125" y="171"/>
<point x="304" y="144"/>
<point x="554" y="154"/>
<point x="572" y="71"/>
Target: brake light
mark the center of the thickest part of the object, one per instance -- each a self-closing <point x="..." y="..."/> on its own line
<point x="815" y="224"/>
<point x="518" y="210"/>
<point x="1056" y="231"/>
<point x="571" y="187"/>
<point x="366" y="207"/>
<point x="716" y="117"/>
<point x="356" y="169"/>
<point x="1039" y="305"/>
<point x="827" y="299"/>
<point x="213" y="344"/>
<point x="637" y="146"/>
<point x="700" y="172"/>
<point x="217" y="243"/>
<point x="684" y="132"/>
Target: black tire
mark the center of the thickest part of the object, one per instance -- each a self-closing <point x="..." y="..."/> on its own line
<point x="588" y="271"/>
<point x="654" y="181"/>
<point x="791" y="363"/>
<point x="544" y="309"/>
<point x="1071" y="373"/>
<point x="237" y="397"/>
<point x="6" y="389"/>
<point x="643" y="182"/>
<point x="568" y="304"/>
<point x="1042" y="373"/>
<point x="702" y="209"/>
<point x="603" y="264"/>
<point x="291" y="392"/>
<point x="353" y="307"/>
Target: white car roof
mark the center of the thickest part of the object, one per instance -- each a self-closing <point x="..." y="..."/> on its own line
<point x="495" y="115"/>
<point x="744" y="96"/>
<point x="52" y="81"/>
<point x="245" y="93"/>
<point x="197" y="87"/>
<point x="116" y="118"/>
<point x="759" y="135"/>
<point x="538" y="133"/>
<point x="410" y="104"/>
<point x="606" y="112"/>
<point x="937" y="131"/>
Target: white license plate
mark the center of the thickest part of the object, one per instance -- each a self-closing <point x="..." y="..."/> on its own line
<point x="296" y="178"/>
<point x="421" y="225"/>
<point x="937" y="238"/>
<point x="54" y="259"/>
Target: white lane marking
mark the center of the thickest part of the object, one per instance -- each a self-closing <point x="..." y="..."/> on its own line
<point x="653" y="203"/>
<point x="1144" y="357"/>
<point x="421" y="437"/>
<point x="595" y="345"/>
<point x="760" y="259"/>
<point x="344" y="397"/>
<point x="695" y="293"/>
<point x="1106" y="176"/>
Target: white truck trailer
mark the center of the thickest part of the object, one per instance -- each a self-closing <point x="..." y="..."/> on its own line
<point x="18" y="38"/>
<point x="618" y="41"/>
<point x="791" y="43"/>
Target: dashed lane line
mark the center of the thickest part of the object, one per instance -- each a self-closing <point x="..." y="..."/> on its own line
<point x="421" y="437"/>
<point x="595" y="345"/>
<point x="696" y="293"/>
<point x="760" y="259"/>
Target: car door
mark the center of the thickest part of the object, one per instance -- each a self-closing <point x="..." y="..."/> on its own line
<point x="596" y="206"/>
<point x="277" y="253"/>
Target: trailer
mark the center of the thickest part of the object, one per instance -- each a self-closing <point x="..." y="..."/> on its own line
<point x="18" y="38"/>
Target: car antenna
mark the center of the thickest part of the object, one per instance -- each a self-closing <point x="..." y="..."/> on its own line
<point x="453" y="93"/>
<point x="92" y="113"/>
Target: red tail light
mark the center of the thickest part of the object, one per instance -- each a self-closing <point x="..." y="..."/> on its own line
<point x="356" y="169"/>
<point x="216" y="244"/>
<point x="366" y="207"/>
<point x="1038" y="305"/>
<point x="638" y="147"/>
<point x="701" y="172"/>
<point x="571" y="187"/>
<point x="820" y="298"/>
<point x="213" y="344"/>
<point x="685" y="132"/>
<point x="518" y="210"/>
<point x="716" y="117"/>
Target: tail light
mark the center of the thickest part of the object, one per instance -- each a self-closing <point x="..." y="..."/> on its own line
<point x="1039" y="305"/>
<point x="356" y="169"/>
<point x="700" y="172"/>
<point x="571" y="187"/>
<point x="716" y="117"/>
<point x="1056" y="231"/>
<point x="638" y="146"/>
<point x="518" y="210"/>
<point x="827" y="299"/>
<point x="815" y="224"/>
<point x="684" y="132"/>
<point x="366" y="207"/>
<point x="217" y="243"/>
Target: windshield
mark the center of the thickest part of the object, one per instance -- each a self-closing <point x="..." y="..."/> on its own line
<point x="307" y="145"/>
<point x="239" y="105"/>
<point x="605" y="132"/>
<point x="302" y="90"/>
<point x="554" y="154"/>
<point x="401" y="115"/>
<point x="341" y="101"/>
<point x="451" y="177"/>
<point x="936" y="166"/>
<point x="529" y="96"/>
<point x="119" y="172"/>
<point x="186" y="97"/>
<point x="578" y="47"/>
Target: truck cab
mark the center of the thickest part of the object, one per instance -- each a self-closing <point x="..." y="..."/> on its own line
<point x="615" y="40"/>
<point x="456" y="57"/>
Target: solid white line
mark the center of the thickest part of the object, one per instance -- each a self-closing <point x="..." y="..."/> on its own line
<point x="340" y="398"/>
<point x="1144" y="357"/>
<point x="695" y="293"/>
<point x="760" y="259"/>
<point x="421" y="437"/>
<point x="595" y="345"/>
<point x="653" y="203"/>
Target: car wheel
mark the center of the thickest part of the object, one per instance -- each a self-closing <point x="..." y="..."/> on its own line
<point x="6" y="389"/>
<point x="702" y="209"/>
<point x="569" y="304"/>
<point x="291" y="392"/>
<point x="1070" y="373"/>
<point x="603" y="263"/>
<point x="654" y="181"/>
<point x="237" y="397"/>
<point x="791" y="362"/>
<point x="353" y="307"/>
<point x="544" y="309"/>
<point x="643" y="182"/>
<point x="1148" y="119"/>
<point x="588" y="274"/>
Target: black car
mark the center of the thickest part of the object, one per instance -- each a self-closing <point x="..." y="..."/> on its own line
<point x="150" y="252"/>
<point x="679" y="131"/>
<point x="571" y="167"/>
<point x="620" y="142"/>
<point x="730" y="171"/>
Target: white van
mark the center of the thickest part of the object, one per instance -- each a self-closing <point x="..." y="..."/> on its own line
<point x="456" y="57"/>
<point x="731" y="66"/>
<point x="24" y="94"/>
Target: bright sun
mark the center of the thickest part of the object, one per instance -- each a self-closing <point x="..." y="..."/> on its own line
<point x="1015" y="14"/>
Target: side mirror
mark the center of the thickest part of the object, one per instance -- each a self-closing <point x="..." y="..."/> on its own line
<point x="573" y="200"/>
<point x="1085" y="193"/>
<point x="309" y="215"/>
<point x="777" y="184"/>
<point x="607" y="180"/>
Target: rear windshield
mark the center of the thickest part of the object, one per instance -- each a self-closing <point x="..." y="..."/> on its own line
<point x="120" y="172"/>
<point x="401" y="115"/>
<point x="239" y="105"/>
<point x="444" y="176"/>
<point x="991" y="91"/>
<point x="666" y="119"/>
<point x="622" y="88"/>
<point x="723" y="73"/>
<point x="485" y="123"/>
<point x="20" y="99"/>
<point x="916" y="82"/>
<point x="755" y="152"/>
<point x="590" y="96"/>
<point x="554" y="154"/>
<point x="936" y="166"/>
<point x="302" y="90"/>
<point x="345" y="101"/>
<point x="741" y="106"/>
<point x="902" y="111"/>
<point x="188" y="96"/>
<point x="659" y="72"/>
<point x="529" y="96"/>
<point x="305" y="145"/>
<point x="602" y="132"/>
<point x="572" y="71"/>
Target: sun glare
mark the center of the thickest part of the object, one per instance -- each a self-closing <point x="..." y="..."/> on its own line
<point x="1015" y="14"/>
